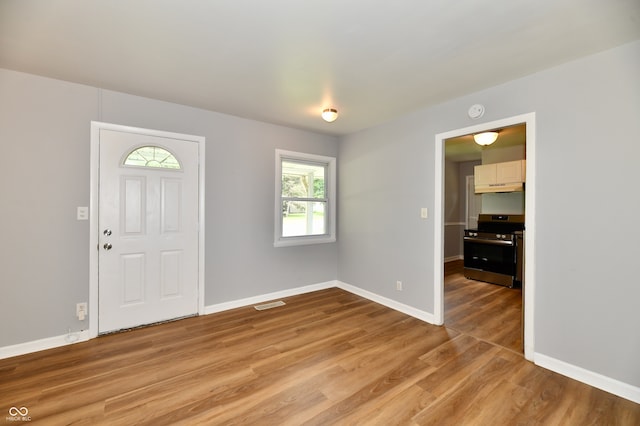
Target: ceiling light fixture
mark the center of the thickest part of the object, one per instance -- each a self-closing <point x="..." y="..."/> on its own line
<point x="329" y="115"/>
<point x="485" y="138"/>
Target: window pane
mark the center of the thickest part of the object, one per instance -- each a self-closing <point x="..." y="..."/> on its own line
<point x="303" y="218"/>
<point x="302" y="180"/>
<point x="152" y="156"/>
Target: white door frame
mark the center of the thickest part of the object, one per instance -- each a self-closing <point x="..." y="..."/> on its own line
<point x="94" y="233"/>
<point x="530" y="221"/>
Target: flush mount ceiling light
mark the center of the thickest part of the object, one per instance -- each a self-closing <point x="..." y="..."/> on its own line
<point x="329" y="115"/>
<point x="485" y="138"/>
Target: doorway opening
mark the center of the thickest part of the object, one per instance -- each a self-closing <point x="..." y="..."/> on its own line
<point x="441" y="219"/>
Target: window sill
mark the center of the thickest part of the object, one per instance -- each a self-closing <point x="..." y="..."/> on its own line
<point x="303" y="241"/>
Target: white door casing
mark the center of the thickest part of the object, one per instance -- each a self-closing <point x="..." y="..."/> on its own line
<point x="530" y="221"/>
<point x="147" y="230"/>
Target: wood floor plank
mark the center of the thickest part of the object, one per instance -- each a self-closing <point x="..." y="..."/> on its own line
<point x="365" y="396"/>
<point x="328" y="357"/>
<point x="457" y="406"/>
<point x="486" y="311"/>
<point x="398" y="409"/>
<point x="458" y="368"/>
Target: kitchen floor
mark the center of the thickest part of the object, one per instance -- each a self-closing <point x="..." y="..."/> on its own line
<point x="485" y="311"/>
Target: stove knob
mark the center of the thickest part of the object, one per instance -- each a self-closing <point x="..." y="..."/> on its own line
<point x="498" y="236"/>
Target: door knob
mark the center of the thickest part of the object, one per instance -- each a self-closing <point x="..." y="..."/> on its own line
<point x="107" y="246"/>
<point x="107" y="232"/>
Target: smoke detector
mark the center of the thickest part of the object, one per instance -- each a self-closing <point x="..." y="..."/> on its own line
<point x="476" y="111"/>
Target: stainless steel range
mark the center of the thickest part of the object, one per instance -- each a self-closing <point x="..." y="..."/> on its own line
<point x="494" y="252"/>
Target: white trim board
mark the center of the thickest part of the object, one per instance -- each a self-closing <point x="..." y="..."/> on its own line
<point x="607" y="384"/>
<point x="53" y="342"/>
<point x="616" y="387"/>
<point x="438" y="223"/>
<point x="406" y="309"/>
<point x="225" y="306"/>
<point x="44" y="344"/>
<point x="389" y="303"/>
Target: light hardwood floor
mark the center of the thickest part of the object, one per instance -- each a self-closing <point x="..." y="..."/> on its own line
<point x="486" y="311"/>
<point x="328" y="357"/>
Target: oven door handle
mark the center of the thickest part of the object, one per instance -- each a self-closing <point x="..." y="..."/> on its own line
<point x="491" y="242"/>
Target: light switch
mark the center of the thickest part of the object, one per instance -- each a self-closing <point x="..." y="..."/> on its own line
<point x="82" y="213"/>
<point x="424" y="213"/>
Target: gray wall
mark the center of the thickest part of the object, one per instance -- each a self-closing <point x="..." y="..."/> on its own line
<point x="454" y="201"/>
<point x="465" y="169"/>
<point x="455" y="205"/>
<point x="506" y="203"/>
<point x="499" y="155"/>
<point x="44" y="255"/>
<point x="586" y="146"/>
<point x="587" y="151"/>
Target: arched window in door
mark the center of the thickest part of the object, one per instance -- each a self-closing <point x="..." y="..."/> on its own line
<point x="152" y="156"/>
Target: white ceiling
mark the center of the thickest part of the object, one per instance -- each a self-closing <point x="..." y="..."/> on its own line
<point x="283" y="61"/>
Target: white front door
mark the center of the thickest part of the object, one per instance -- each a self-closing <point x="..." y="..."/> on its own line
<point x="148" y="229"/>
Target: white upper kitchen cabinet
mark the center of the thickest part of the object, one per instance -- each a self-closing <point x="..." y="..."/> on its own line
<point x="500" y="177"/>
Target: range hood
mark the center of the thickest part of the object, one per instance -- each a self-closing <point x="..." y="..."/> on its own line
<point x="500" y="187"/>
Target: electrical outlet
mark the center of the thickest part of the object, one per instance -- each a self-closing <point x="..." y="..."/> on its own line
<point x="81" y="310"/>
<point x="399" y="285"/>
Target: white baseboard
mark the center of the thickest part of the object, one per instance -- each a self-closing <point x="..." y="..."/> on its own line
<point x="616" y="387"/>
<point x="401" y="307"/>
<point x="225" y="306"/>
<point x="54" y="342"/>
<point x="43" y="344"/>
<point x="411" y="311"/>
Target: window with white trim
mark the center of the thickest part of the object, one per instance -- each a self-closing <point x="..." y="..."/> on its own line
<point x="305" y="211"/>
